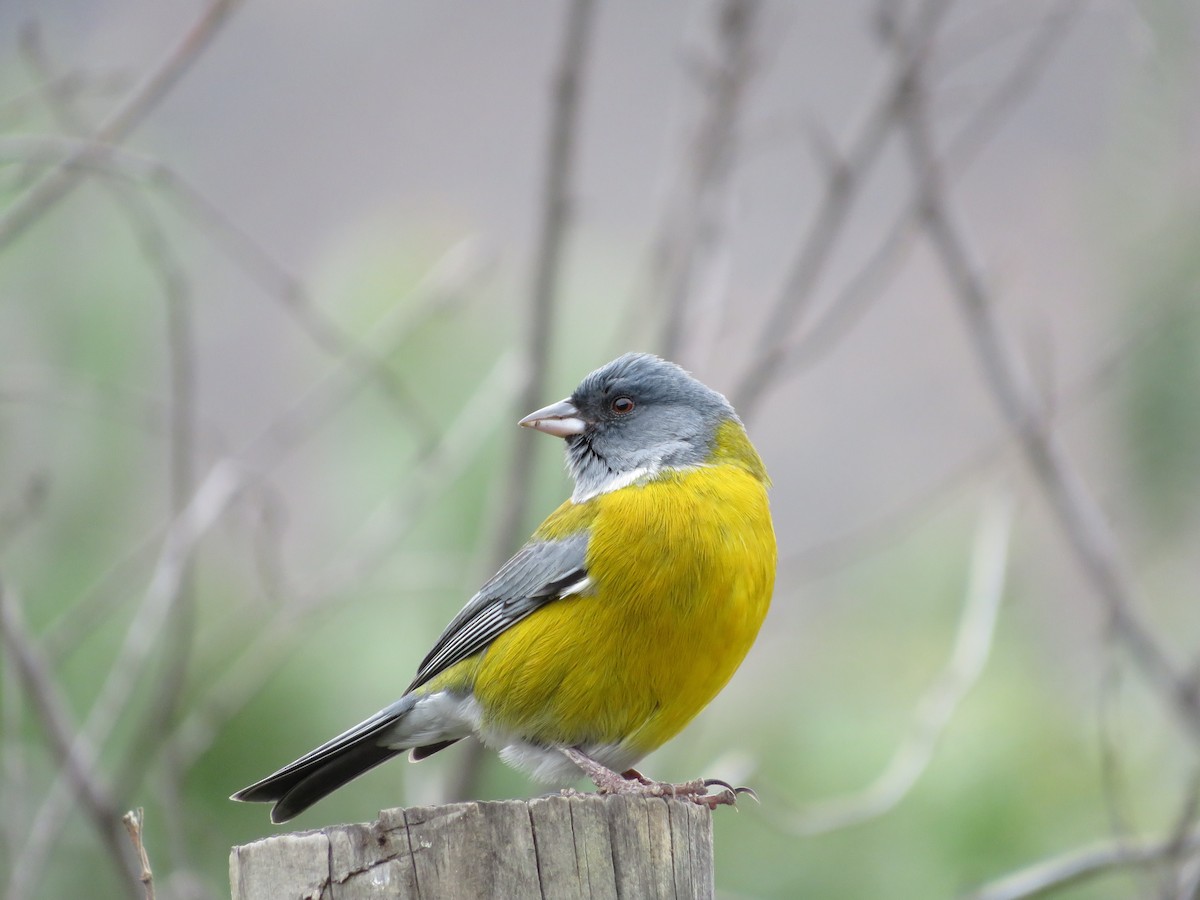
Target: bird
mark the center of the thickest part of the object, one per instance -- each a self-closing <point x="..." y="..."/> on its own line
<point x="625" y="613"/>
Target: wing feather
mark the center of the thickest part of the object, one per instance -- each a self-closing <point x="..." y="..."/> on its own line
<point x="539" y="573"/>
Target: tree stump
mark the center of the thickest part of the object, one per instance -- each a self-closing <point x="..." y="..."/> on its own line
<point x="551" y="847"/>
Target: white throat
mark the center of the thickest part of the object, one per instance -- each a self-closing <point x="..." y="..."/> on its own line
<point x="615" y="482"/>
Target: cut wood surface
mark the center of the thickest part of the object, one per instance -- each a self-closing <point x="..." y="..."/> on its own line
<point x="552" y="847"/>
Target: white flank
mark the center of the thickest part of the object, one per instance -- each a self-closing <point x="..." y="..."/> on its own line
<point x="436" y="717"/>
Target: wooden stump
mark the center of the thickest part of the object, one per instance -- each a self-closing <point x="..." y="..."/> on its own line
<point x="551" y="847"/>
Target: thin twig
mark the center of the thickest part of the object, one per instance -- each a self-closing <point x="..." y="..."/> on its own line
<point x="552" y="234"/>
<point x="232" y="240"/>
<point x="177" y="638"/>
<point x="824" y="334"/>
<point x="209" y="503"/>
<point x="354" y="358"/>
<point x="841" y="189"/>
<point x="178" y="635"/>
<point x="982" y="30"/>
<point x="211" y="500"/>
<point x="1029" y="67"/>
<point x="447" y="283"/>
<point x="690" y="237"/>
<point x="133" y="821"/>
<point x="118" y="404"/>
<point x="972" y="646"/>
<point x="1091" y="539"/>
<point x="239" y="678"/>
<point x="442" y="291"/>
<point x="41" y="196"/>
<point x="296" y="300"/>
<point x="443" y="285"/>
<point x="70" y="749"/>
<point x="1081" y="865"/>
<point x="838" y="551"/>
<point x="377" y="539"/>
<point x="554" y="221"/>
<point x="72" y="84"/>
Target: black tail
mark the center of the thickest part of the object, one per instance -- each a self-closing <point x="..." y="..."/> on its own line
<point x="300" y="784"/>
<point x="294" y="792"/>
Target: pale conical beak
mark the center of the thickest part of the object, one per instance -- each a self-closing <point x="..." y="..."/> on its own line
<point x="560" y="419"/>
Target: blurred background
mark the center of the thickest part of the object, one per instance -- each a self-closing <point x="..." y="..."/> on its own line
<point x="277" y="280"/>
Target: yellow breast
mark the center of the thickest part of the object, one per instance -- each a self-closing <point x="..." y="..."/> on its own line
<point x="682" y="570"/>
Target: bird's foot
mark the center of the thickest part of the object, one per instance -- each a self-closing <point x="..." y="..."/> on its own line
<point x="633" y="782"/>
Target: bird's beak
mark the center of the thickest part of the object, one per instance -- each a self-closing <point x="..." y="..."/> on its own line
<point x="560" y="419"/>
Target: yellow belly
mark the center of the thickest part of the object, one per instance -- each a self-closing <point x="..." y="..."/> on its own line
<point x="682" y="571"/>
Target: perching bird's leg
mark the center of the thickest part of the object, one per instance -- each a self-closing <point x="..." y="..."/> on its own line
<point x="633" y="782"/>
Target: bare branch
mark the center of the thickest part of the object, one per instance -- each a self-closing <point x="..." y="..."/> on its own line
<point x="71" y="750"/>
<point x="552" y="233"/>
<point x="440" y="292"/>
<point x="1028" y="68"/>
<point x="441" y="287"/>
<point x="125" y="404"/>
<point x="385" y="527"/>
<point x="691" y="232"/>
<point x="213" y="496"/>
<point x="1082" y="865"/>
<point x="211" y="500"/>
<point x="354" y="358"/>
<point x="296" y="299"/>
<point x="985" y="28"/>
<point x="271" y="275"/>
<point x="972" y="646"/>
<point x="1015" y="393"/>
<point x="177" y="637"/>
<point x="70" y="84"/>
<point x="843" y="549"/>
<point x="840" y="191"/>
<point x="133" y="821"/>
<point x="58" y="182"/>
<point x="854" y="300"/>
<point x="446" y="284"/>
<point x="240" y="677"/>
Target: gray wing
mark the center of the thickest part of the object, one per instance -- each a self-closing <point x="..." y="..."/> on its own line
<point x="538" y="574"/>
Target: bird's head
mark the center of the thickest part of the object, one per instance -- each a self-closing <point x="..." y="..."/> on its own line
<point x="631" y="418"/>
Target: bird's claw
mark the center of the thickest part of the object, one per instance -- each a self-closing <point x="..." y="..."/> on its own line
<point x="698" y="792"/>
<point x="730" y="789"/>
<point x="726" y="796"/>
<point x="633" y="782"/>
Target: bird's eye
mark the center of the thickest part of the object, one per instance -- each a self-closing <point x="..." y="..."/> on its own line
<point x="622" y="406"/>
